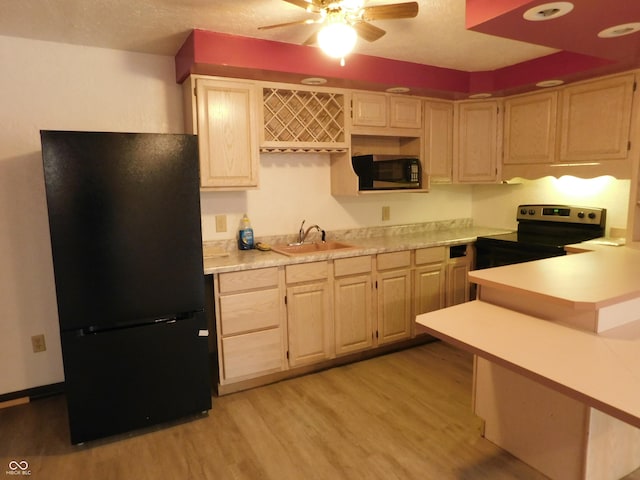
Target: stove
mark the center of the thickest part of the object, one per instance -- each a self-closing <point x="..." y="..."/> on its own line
<point x="543" y="231"/>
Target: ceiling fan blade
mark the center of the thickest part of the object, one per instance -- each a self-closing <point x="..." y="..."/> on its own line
<point x="312" y="40"/>
<point x="287" y="24"/>
<point x="368" y="32"/>
<point x="390" y="12"/>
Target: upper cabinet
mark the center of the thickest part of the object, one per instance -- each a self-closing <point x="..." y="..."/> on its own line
<point x="303" y="119"/>
<point x="530" y="128"/>
<point x="223" y="113"/>
<point x="438" y="141"/>
<point x="386" y="111"/>
<point x="596" y="117"/>
<point x="583" y="129"/>
<point x="476" y="146"/>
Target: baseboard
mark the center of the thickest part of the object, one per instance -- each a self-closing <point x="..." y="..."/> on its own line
<point x="24" y="396"/>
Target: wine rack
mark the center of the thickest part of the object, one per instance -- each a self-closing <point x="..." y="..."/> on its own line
<point x="303" y="120"/>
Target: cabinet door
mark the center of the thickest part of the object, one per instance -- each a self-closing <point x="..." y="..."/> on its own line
<point x="227" y="134"/>
<point x="353" y="319"/>
<point x="394" y="305"/>
<point x="251" y="355"/>
<point x="438" y="131"/>
<point x="596" y="117"/>
<point x="457" y="282"/>
<point x="530" y="128"/>
<point x="370" y="109"/>
<point x="477" y="142"/>
<point x="309" y="323"/>
<point x="405" y="112"/>
<point x="429" y="288"/>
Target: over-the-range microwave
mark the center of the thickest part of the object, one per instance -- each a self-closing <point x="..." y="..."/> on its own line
<point x="387" y="172"/>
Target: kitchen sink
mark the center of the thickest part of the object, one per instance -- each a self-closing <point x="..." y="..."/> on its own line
<point x="308" y="248"/>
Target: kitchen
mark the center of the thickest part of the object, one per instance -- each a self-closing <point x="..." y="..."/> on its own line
<point x="63" y="86"/>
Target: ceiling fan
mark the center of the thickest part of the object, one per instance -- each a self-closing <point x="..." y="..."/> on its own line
<point x="345" y="20"/>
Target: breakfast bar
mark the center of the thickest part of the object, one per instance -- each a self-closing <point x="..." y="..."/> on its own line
<point x="557" y="345"/>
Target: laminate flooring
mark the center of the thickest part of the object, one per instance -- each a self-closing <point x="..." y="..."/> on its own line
<point x="405" y="415"/>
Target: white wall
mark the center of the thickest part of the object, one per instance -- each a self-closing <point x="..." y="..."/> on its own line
<point x="296" y="187"/>
<point x="52" y="86"/>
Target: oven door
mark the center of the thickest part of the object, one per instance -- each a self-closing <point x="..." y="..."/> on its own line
<point x="495" y="253"/>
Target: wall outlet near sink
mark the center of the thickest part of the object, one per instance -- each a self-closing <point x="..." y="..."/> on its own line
<point x="221" y="223"/>
<point x="38" y="344"/>
<point x="386" y="213"/>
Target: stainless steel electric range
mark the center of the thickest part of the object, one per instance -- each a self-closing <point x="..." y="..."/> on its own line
<point x="543" y="231"/>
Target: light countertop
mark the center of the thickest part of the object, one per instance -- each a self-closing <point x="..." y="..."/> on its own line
<point x="364" y="245"/>
<point x="599" y="370"/>
<point x="604" y="276"/>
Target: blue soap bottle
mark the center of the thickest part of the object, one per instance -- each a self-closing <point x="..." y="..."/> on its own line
<point x="245" y="235"/>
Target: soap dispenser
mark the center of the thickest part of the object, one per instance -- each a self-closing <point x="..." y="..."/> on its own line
<point x="245" y="235"/>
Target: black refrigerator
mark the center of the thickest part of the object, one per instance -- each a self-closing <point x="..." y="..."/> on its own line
<point x="124" y="220"/>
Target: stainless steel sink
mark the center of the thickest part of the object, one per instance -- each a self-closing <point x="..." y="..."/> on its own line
<point x="309" y="248"/>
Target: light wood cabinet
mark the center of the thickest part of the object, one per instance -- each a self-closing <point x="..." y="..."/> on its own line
<point x="429" y="283"/>
<point x="382" y="110"/>
<point x="476" y="147"/>
<point x="303" y="119"/>
<point x="309" y="317"/>
<point x="459" y="264"/>
<point x="250" y="324"/>
<point x="393" y="297"/>
<point x="353" y="312"/>
<point x="224" y="115"/>
<point x="438" y="141"/>
<point x="530" y="124"/>
<point x="596" y="117"/>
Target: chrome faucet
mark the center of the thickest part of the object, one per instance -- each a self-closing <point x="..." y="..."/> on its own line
<point x="302" y="233"/>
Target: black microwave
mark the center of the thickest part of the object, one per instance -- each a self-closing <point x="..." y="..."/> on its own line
<point x="387" y="172"/>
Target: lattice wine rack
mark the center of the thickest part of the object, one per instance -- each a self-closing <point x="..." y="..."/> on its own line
<point x="305" y="120"/>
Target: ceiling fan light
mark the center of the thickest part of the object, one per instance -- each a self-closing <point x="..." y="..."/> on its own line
<point x="337" y="39"/>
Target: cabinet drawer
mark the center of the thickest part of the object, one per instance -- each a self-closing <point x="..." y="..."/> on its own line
<point x="352" y="266"/>
<point x="252" y="354"/>
<point x="430" y="255"/>
<point x="248" y="279"/>
<point x="306" y="272"/>
<point x="243" y="312"/>
<point x="394" y="260"/>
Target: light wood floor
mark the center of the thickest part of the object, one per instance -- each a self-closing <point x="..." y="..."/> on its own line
<point x="402" y="416"/>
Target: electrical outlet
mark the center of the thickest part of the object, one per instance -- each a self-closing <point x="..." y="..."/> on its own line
<point x="221" y="223"/>
<point x="386" y="213"/>
<point x="38" y="344"/>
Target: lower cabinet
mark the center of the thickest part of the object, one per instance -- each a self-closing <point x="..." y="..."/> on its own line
<point x="270" y="320"/>
<point x="393" y="283"/>
<point x="459" y="264"/>
<point x="429" y="284"/>
<point x="250" y="324"/>
<point x="353" y="308"/>
<point x="309" y="319"/>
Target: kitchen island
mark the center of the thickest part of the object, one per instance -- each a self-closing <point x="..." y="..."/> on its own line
<point x="558" y="346"/>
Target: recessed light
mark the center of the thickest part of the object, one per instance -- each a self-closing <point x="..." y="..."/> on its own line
<point x="397" y="90"/>
<point x="547" y="11"/>
<point x="476" y="96"/>
<point x="620" y="30"/>
<point x="549" y="83"/>
<point x="314" y="81"/>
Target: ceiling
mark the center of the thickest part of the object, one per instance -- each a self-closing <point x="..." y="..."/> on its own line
<point x="436" y="37"/>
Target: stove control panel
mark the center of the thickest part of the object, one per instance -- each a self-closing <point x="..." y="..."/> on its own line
<point x="562" y="213"/>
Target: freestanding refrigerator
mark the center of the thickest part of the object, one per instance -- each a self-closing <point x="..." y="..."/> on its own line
<point x="124" y="219"/>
